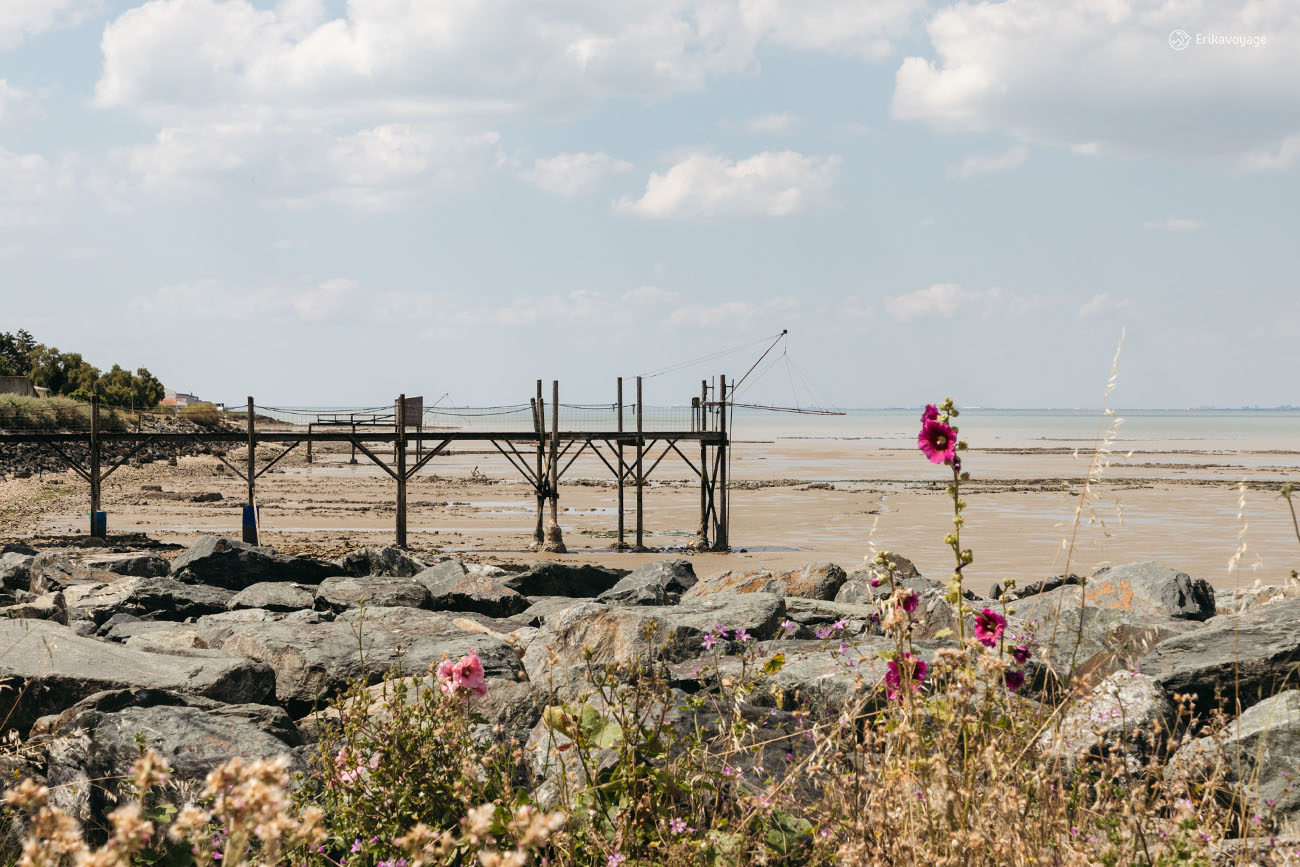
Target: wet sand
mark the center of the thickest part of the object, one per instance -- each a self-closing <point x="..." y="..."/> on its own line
<point x="793" y="501"/>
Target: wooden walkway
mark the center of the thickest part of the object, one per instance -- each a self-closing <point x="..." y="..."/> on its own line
<point x="541" y="456"/>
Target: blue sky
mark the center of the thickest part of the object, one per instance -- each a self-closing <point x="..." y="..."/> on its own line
<point x="329" y="202"/>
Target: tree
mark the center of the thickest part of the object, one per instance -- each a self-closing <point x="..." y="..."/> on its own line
<point x="16" y="351"/>
<point x="119" y="387"/>
<point x="63" y="373"/>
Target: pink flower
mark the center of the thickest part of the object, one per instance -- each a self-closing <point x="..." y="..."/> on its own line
<point x="1020" y="653"/>
<point x="910" y="601"/>
<point x="894" y="675"/>
<point x="938" y="441"/>
<point x="930" y="413"/>
<point x="465" y="675"/>
<point x="988" y="627"/>
<point x="1014" y="679"/>
<point x="444" y="675"/>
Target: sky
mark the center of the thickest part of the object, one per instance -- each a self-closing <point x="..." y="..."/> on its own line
<point x="320" y="202"/>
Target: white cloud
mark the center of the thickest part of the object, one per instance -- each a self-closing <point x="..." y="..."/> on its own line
<point x="1102" y="304"/>
<point x="28" y="180"/>
<point x="323" y="300"/>
<point x="10" y="98"/>
<point x="1100" y="76"/>
<point x="650" y="295"/>
<point x="20" y="19"/>
<point x="767" y="184"/>
<point x="1174" y="224"/>
<point x="396" y="164"/>
<point x="1274" y="159"/>
<point x="217" y="300"/>
<point x="984" y="164"/>
<point x="572" y="174"/>
<point x="948" y="299"/>
<point x="735" y="314"/>
<point x="772" y="123"/>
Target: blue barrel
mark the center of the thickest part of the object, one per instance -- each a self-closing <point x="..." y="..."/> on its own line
<point x="250" y="524"/>
<point x="99" y="524"/>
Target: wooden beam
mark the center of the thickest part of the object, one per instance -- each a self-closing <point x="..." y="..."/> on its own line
<point x="400" y="475"/>
<point x="251" y="529"/>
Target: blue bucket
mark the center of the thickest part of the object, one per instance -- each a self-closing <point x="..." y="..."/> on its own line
<point x="99" y="524"/>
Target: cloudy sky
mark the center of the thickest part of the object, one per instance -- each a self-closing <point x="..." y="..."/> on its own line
<point x="321" y="201"/>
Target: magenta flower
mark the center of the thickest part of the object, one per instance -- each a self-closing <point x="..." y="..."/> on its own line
<point x="465" y="675"/>
<point x="910" y="601"/>
<point x="677" y="825"/>
<point x="894" y="675"/>
<point x="708" y="641"/>
<point x="1015" y="679"/>
<point x="930" y="413"/>
<point x="989" y="626"/>
<point x="1020" y="653"/>
<point x="938" y="441"/>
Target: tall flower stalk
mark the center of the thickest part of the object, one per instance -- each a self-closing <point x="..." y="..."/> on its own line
<point x="938" y="440"/>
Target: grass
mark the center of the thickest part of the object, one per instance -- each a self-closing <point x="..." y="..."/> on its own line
<point x="53" y="414"/>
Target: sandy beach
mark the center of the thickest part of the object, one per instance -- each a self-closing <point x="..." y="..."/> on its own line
<point x="794" y="500"/>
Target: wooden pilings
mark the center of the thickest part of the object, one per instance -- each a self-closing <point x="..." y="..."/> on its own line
<point x="251" y="534"/>
<point x="97" y="528"/>
<point x="400" y="450"/>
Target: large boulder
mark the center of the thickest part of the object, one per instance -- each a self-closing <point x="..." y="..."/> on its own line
<point x="1240" y="658"/>
<point x="169" y="599"/>
<point x="47" y="668"/>
<point x="660" y="583"/>
<point x="274" y="596"/>
<point x="222" y="562"/>
<point x="814" y="581"/>
<point x="384" y="561"/>
<point x="453" y="587"/>
<point x="313" y="660"/>
<point x="865" y="584"/>
<point x="95" y="743"/>
<point x="1143" y="588"/>
<point x="134" y="563"/>
<point x="16" y="570"/>
<point x="58" y="569"/>
<point x="590" y="631"/>
<point x="1126" y="714"/>
<point x="1259" y="755"/>
<point x="565" y="579"/>
<point x="339" y="593"/>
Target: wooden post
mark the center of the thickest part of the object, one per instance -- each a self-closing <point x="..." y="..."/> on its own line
<point x="621" y="543"/>
<point x="96" y="529"/>
<point x="539" y="425"/>
<point x="309" y="460"/>
<point x="354" y="442"/>
<point x="721" y="543"/>
<point x="251" y="534"/>
<point x="640" y="480"/>
<point x="704" y="471"/>
<point x="554" y="538"/>
<point x="401" y="470"/>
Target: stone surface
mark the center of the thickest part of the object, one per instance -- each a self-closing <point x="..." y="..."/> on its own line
<point x="384" y="561"/>
<point x="16" y="570"/>
<point x="543" y="608"/>
<point x="1143" y="588"/>
<point x="221" y="562"/>
<point x="1266" y="740"/>
<point x="274" y="596"/>
<point x="1256" y="652"/>
<point x="169" y="599"/>
<point x="565" y="579"/>
<point x="1126" y="714"/>
<point x="857" y="586"/>
<point x="59" y="569"/>
<point x="814" y="581"/>
<point x="59" y="668"/>
<point x="661" y="583"/>
<point x="133" y="563"/>
<point x="312" y="660"/>
<point x="452" y="587"/>
<point x="339" y="593"/>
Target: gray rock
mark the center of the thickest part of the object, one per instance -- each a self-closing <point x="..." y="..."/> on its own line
<point x="565" y="579"/>
<point x="454" y="588"/>
<point x="169" y="599"/>
<point x="339" y="593"/>
<point x="385" y="561"/>
<point x="274" y="596"/>
<point x="814" y="581"/>
<point x="1265" y="740"/>
<point x="1144" y="588"/>
<point x="313" y="660"/>
<point x="857" y="586"/>
<point x="133" y="563"/>
<point x="47" y="668"/>
<point x="89" y="759"/>
<point x="16" y="570"/>
<point x="221" y="562"/>
<point x="59" y="569"/>
<point x="1256" y="652"/>
<point x="1126" y="714"/>
<point x="542" y="608"/>
<point x="661" y="583"/>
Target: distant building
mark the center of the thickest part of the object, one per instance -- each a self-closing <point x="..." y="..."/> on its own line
<point x="20" y="385"/>
<point x="179" y="399"/>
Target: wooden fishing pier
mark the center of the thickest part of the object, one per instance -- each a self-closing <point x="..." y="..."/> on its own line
<point x="541" y="451"/>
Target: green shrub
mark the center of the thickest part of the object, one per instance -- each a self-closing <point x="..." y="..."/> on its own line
<point x="205" y="414"/>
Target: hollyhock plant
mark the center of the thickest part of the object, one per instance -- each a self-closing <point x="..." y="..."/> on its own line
<point x="989" y="626"/>
<point x="938" y="441"/>
<point x="1015" y="678"/>
<point x="1020" y="653"/>
<point x="894" y="677"/>
<point x="463" y="676"/>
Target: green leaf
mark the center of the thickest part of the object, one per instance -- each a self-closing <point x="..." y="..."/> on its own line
<point x="943" y="633"/>
<point x="775" y="664"/>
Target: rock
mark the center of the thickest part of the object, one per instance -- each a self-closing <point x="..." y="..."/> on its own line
<point x="169" y="599"/>
<point x="48" y="606"/>
<point x="59" y="668"/>
<point x="312" y="660"/>
<point x="1151" y="588"/>
<point x="95" y="743"/>
<point x="618" y="634"/>
<point x="1126" y="713"/>
<point x="1256" y="652"/>
<point x="814" y="581"/>
<point x="221" y="562"/>
<point x="16" y="570"/>
<point x="857" y="586"/>
<point x="339" y="593"/>
<point x="385" y="561"/>
<point x="1246" y="598"/>
<point x="661" y="583"/>
<point x="452" y="588"/>
<point x="1035" y="587"/>
<point x="207" y="497"/>
<point x="565" y="579"/>
<point x="175" y="641"/>
<point x="1265" y="740"/>
<point x="133" y="563"/>
<point x="274" y="596"/>
<point x="57" y="569"/>
<point x="542" y="608"/>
